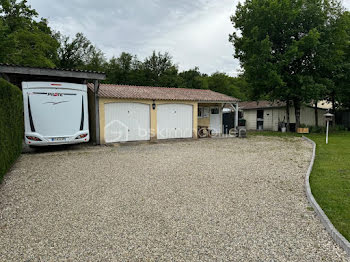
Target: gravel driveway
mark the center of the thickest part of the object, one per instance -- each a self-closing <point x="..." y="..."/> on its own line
<point x="218" y="199"/>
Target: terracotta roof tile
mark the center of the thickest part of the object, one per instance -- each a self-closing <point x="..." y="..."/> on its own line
<point x="160" y="93"/>
<point x="261" y="104"/>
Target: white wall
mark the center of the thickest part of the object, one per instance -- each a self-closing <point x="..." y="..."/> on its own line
<point x="272" y="116"/>
<point x="307" y="116"/>
<point x="268" y="119"/>
<point x="250" y="117"/>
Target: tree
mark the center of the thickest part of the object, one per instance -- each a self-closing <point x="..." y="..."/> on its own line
<point x="169" y="78"/>
<point x="342" y="80"/>
<point x="125" y="69"/>
<point x="78" y="53"/>
<point x="222" y="83"/>
<point x="17" y="15"/>
<point x="193" y="79"/>
<point x="244" y="89"/>
<point x="23" y="40"/>
<point x="113" y="72"/>
<point x="278" y="47"/>
<point x="158" y="65"/>
<point x="331" y="60"/>
<point x="97" y="61"/>
<point x="158" y="70"/>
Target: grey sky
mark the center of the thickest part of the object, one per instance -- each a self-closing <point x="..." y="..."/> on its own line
<point x="194" y="32"/>
<point x="346" y="3"/>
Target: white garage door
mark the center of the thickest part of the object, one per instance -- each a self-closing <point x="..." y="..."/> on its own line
<point x="174" y="121"/>
<point x="127" y="122"/>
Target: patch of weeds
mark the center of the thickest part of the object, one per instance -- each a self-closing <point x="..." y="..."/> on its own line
<point x="310" y="208"/>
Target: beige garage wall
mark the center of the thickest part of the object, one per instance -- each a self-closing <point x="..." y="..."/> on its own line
<point x="204" y="121"/>
<point x="153" y="113"/>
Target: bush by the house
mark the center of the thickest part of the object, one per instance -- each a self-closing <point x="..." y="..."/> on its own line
<point x="322" y="129"/>
<point x="11" y="125"/>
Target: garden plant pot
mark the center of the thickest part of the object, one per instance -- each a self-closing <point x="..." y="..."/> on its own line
<point x="303" y="130"/>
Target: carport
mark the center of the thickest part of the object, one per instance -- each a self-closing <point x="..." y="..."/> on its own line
<point x="16" y="74"/>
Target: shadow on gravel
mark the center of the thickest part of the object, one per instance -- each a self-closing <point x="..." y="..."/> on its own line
<point x="51" y="149"/>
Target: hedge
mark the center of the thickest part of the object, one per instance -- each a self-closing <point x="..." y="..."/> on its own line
<point x="11" y="125"/>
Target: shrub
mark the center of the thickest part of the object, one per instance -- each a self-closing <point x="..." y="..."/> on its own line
<point x="11" y="125"/>
<point x="337" y="128"/>
<point x="322" y="129"/>
<point x="317" y="129"/>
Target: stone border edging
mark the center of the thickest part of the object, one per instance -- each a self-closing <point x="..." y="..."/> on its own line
<point x="338" y="238"/>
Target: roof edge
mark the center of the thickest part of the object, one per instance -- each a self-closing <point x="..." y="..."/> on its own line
<point x="57" y="72"/>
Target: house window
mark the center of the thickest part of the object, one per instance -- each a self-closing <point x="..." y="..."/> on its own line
<point x="203" y="112"/>
<point x="260" y="114"/>
<point x="200" y="112"/>
<point x="260" y="119"/>
<point x="215" y="111"/>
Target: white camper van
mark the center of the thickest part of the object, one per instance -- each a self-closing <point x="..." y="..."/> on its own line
<point x="55" y="113"/>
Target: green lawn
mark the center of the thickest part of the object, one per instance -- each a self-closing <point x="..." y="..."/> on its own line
<point x="330" y="178"/>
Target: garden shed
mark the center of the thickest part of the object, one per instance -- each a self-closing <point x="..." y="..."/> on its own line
<point x="267" y="115"/>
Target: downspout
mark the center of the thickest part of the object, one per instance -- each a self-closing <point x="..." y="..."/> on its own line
<point x="97" y="111"/>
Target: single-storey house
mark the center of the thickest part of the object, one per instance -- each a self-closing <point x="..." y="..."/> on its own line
<point x="142" y="113"/>
<point x="267" y="115"/>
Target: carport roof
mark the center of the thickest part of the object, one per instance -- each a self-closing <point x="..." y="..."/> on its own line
<point x="53" y="72"/>
<point x="161" y="93"/>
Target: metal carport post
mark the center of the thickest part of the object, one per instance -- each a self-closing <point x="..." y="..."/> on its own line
<point x="236" y="115"/>
<point x="236" y="109"/>
<point x="97" y="111"/>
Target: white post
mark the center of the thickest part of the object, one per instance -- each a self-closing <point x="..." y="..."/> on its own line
<point x="327" y="132"/>
<point x="236" y="115"/>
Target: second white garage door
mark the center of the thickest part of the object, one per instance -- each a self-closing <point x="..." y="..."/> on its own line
<point x="127" y="122"/>
<point x="174" y="121"/>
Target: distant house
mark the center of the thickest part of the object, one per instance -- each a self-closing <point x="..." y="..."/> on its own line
<point x="267" y="115"/>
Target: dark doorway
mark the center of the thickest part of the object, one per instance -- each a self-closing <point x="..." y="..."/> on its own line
<point x="260" y="119"/>
<point x="228" y="121"/>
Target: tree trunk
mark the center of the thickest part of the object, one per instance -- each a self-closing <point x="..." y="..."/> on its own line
<point x="316" y="114"/>
<point x="288" y="116"/>
<point x="297" y="113"/>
